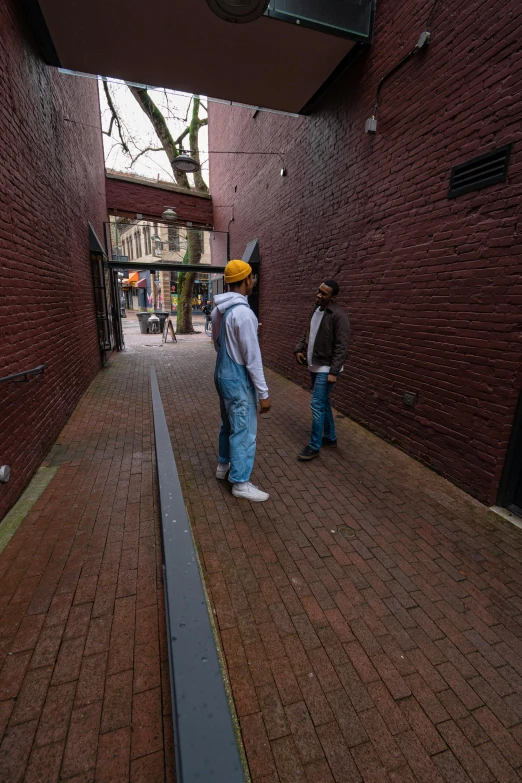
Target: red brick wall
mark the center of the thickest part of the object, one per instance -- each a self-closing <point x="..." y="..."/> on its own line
<point x="129" y="198"/>
<point x="433" y="286"/>
<point x="52" y="181"/>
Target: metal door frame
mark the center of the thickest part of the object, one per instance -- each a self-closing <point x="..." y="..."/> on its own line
<point x="102" y="303"/>
<point x="106" y="299"/>
<point x="116" y="309"/>
<point x="512" y="472"/>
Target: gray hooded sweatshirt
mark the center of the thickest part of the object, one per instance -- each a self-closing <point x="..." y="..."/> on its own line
<point x="241" y="337"/>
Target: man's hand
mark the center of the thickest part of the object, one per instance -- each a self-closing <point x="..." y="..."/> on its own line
<point x="300" y="358"/>
<point x="264" y="405"/>
<point x="332" y="378"/>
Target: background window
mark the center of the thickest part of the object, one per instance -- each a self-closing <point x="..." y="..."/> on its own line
<point x="173" y="238"/>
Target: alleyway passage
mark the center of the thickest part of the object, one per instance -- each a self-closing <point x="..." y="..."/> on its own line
<point x="370" y="612"/>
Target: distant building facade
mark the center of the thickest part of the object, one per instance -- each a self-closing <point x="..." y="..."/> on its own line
<point x="147" y="242"/>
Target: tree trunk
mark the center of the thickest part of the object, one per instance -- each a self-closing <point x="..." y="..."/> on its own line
<point x="195" y="125"/>
<point x="185" y="293"/>
<point x="186" y="284"/>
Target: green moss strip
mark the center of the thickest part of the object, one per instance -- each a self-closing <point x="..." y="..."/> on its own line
<point x="14" y="518"/>
<point x="226" y="681"/>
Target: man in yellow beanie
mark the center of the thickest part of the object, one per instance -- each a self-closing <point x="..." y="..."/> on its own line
<point x="240" y="380"/>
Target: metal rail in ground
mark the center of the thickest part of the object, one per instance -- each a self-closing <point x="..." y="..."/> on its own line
<point x="205" y="742"/>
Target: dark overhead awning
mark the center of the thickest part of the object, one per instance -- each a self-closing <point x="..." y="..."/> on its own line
<point x="279" y="61"/>
<point x="95" y="246"/>
<point x="166" y="266"/>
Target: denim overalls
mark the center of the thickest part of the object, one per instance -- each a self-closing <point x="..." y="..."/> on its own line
<point x="238" y="401"/>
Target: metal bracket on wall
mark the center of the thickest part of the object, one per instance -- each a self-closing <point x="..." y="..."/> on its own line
<point x="23" y="377"/>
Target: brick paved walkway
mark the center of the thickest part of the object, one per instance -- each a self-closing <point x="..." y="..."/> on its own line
<point x="394" y="655"/>
<point x="84" y="687"/>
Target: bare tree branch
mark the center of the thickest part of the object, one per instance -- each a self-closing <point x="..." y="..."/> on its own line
<point x="156" y="166"/>
<point x="162" y="131"/>
<point x="114" y="146"/>
<point x="188" y="110"/>
<point x="114" y="116"/>
<point x="180" y="139"/>
<point x="147" y="149"/>
<point x="171" y="113"/>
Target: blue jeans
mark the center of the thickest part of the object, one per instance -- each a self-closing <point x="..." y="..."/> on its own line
<point x="238" y="404"/>
<point x="322" y="416"/>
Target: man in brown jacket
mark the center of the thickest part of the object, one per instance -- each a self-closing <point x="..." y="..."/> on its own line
<point x="323" y="348"/>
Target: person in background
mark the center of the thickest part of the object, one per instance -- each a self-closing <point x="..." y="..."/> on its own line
<point x="323" y="348"/>
<point x="239" y="379"/>
<point x="207" y="310"/>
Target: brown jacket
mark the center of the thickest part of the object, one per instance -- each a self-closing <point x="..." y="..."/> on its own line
<point x="331" y="343"/>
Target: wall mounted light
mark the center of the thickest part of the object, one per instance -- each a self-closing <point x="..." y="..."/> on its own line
<point x="424" y="40"/>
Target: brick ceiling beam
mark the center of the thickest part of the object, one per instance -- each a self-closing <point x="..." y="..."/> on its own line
<point x="131" y="196"/>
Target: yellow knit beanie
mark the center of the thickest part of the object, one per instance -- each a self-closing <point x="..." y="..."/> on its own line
<point x="236" y="271"/>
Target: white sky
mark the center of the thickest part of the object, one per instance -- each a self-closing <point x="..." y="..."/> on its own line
<point x="139" y="133"/>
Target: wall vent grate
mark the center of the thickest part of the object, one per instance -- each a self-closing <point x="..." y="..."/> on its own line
<point x="480" y="172"/>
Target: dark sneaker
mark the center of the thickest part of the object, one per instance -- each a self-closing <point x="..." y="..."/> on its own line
<point x="328" y="442"/>
<point x="308" y="453"/>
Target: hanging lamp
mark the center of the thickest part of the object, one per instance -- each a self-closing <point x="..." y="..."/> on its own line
<point x="186" y="164"/>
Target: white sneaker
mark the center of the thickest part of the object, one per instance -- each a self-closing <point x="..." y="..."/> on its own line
<point x="249" y="491"/>
<point x="222" y="470"/>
